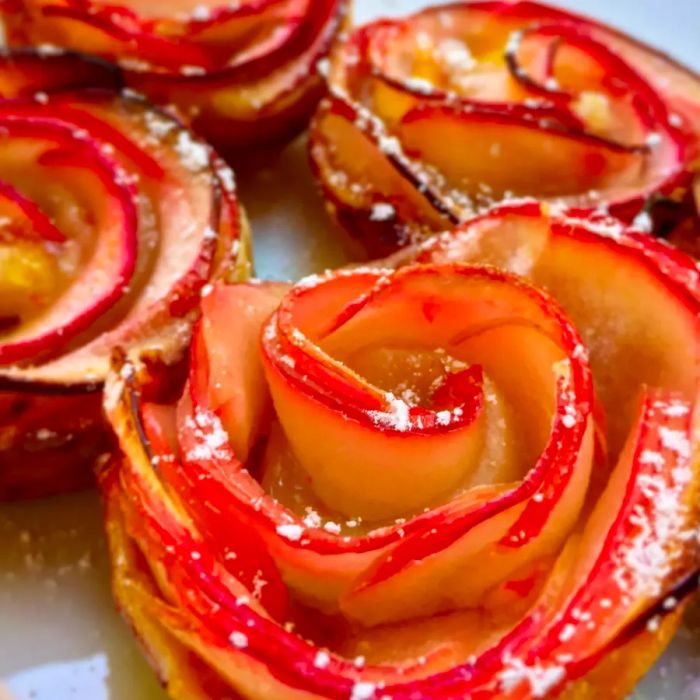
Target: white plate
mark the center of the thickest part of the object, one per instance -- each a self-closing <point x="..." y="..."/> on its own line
<point x="59" y="636"/>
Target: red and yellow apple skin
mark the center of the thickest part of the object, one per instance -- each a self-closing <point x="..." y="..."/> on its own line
<point x="245" y="73"/>
<point x="468" y="471"/>
<point x="434" y="117"/>
<point x="113" y="218"/>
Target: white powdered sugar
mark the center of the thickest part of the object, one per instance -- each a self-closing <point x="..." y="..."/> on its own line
<point x="382" y="211"/>
<point x="390" y="145"/>
<point x="195" y="155"/>
<point x="648" y="558"/>
<point x="290" y="531"/>
<point x="610" y="228"/>
<point x="212" y="439"/>
<point x="159" y="125"/>
<point x="652" y="457"/>
<point x="541" y="679"/>
<point x="425" y="87"/>
<point x="239" y="640"/>
<point x="322" y="659"/>
<point x="643" y="222"/>
<point x="567" y="633"/>
<point x="228" y="180"/>
<point x="443" y="417"/>
<point x="363" y="690"/>
<point x="676" y="409"/>
<point x="568" y="420"/>
<point x="580" y="353"/>
<point x="682" y="475"/>
<point x="397" y="416"/>
<point x="332" y="528"/>
<point x="676" y="441"/>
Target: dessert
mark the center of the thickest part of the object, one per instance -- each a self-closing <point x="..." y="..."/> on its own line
<point x="469" y="470"/>
<point x="113" y="217"/>
<point x="434" y="117"/>
<point x="244" y="73"/>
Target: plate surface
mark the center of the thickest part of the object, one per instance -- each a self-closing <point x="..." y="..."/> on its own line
<point x="60" y="638"/>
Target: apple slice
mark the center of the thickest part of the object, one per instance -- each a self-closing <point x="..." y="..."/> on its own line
<point x="235" y="395"/>
<point x="584" y="162"/>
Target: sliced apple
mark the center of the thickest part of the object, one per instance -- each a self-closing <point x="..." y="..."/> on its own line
<point x="231" y="319"/>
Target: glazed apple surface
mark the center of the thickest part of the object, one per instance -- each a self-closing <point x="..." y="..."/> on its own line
<point x="434" y="117"/>
<point x="244" y="73"/>
<point x="113" y="217"/>
<point x="468" y="471"/>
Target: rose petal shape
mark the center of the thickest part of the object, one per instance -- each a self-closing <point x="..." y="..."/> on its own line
<point x="244" y="73"/>
<point x="468" y="471"/>
<point x="113" y="218"/>
<point x="527" y="99"/>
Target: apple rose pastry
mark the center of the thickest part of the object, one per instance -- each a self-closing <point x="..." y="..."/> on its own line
<point x="244" y="72"/>
<point x="434" y="117"/>
<point x="430" y="480"/>
<point x="113" y="217"/>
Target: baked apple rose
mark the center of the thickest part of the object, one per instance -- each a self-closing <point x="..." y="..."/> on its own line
<point x="471" y="472"/>
<point x="113" y="217"/>
<point x="243" y="72"/>
<point x="434" y="117"/>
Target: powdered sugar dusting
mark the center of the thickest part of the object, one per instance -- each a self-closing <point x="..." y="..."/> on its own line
<point x="322" y="659"/>
<point x="568" y="420"/>
<point x="397" y="417"/>
<point x="212" y="439"/>
<point x="227" y="178"/>
<point x="676" y="441"/>
<point x="675" y="409"/>
<point x="660" y="517"/>
<point x="652" y="457"/>
<point x="239" y="640"/>
<point x="643" y="222"/>
<point x="541" y="679"/>
<point x="195" y="155"/>
<point x="382" y="212"/>
<point x="290" y="531"/>
<point x="363" y="690"/>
